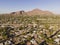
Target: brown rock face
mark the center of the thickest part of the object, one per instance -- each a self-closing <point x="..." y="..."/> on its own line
<point x="18" y="12"/>
<point x="39" y="12"/>
<point x="33" y="12"/>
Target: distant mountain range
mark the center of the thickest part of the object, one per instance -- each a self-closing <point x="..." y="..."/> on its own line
<point x="33" y="12"/>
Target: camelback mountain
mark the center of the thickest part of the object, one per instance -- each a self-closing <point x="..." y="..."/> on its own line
<point x="33" y="12"/>
<point x="39" y="12"/>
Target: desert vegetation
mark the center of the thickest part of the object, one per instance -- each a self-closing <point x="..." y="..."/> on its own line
<point x="29" y="30"/>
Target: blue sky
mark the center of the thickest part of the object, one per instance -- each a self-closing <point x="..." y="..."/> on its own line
<point x="7" y="6"/>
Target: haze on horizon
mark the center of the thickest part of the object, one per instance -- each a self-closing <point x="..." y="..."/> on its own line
<point x="7" y="6"/>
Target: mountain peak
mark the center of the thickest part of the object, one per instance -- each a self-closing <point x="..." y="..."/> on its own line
<point x="33" y="12"/>
<point x="39" y="12"/>
<point x="36" y="9"/>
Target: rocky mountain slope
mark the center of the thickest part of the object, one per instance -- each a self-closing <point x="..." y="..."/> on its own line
<point x="39" y="12"/>
<point x="33" y="12"/>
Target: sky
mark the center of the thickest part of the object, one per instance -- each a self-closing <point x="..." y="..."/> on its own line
<point x="7" y="6"/>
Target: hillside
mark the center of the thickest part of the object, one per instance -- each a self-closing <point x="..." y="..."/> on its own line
<point x="39" y="12"/>
<point x="19" y="28"/>
<point x="32" y="12"/>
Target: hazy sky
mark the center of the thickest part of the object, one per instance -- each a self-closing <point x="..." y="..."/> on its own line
<point x="16" y="5"/>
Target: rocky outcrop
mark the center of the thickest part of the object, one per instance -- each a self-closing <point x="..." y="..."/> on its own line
<point x="18" y="12"/>
<point x="33" y="12"/>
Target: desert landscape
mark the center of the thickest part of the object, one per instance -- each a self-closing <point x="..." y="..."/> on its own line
<point x="29" y="22"/>
<point x="35" y="27"/>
